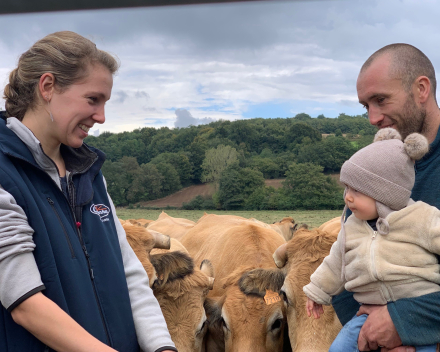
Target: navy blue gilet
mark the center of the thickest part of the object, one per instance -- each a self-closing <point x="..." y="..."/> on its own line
<point x="81" y="268"/>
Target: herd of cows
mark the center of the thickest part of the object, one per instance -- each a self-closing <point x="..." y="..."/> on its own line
<point x="227" y="283"/>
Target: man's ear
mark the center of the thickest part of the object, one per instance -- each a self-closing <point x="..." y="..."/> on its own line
<point x="46" y="86"/>
<point x="422" y="89"/>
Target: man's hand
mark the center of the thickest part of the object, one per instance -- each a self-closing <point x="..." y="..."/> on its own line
<point x="379" y="330"/>
<point x="399" y="349"/>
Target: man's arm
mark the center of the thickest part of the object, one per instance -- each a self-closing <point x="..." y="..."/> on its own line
<point x="414" y="320"/>
<point x="408" y="321"/>
<point x="345" y="306"/>
<point x="417" y="319"/>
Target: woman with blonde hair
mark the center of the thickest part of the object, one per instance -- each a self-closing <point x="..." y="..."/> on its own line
<point x="69" y="281"/>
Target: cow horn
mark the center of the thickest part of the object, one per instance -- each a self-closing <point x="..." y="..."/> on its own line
<point x="160" y="240"/>
<point x="280" y="256"/>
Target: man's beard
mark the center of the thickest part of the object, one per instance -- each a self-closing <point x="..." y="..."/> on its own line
<point x="412" y="118"/>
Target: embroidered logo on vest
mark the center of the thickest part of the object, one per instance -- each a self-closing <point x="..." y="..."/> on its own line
<point x="101" y="210"/>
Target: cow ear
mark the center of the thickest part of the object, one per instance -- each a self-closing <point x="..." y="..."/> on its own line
<point x="207" y="268"/>
<point x="257" y="281"/>
<point x="280" y="255"/>
<point x="171" y="266"/>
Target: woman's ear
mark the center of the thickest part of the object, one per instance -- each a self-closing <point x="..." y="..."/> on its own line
<point x="46" y="86"/>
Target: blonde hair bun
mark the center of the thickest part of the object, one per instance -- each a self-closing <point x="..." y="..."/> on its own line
<point x="416" y="146"/>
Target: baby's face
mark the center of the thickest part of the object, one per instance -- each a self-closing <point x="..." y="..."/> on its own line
<point x="362" y="206"/>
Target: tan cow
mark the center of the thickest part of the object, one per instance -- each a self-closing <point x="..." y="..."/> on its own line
<point x="241" y="253"/>
<point x="180" y="288"/>
<point x="332" y="226"/>
<point x="300" y="257"/>
<point x="181" y="291"/>
<point x="140" y="222"/>
<point x="286" y="227"/>
<point x="173" y="227"/>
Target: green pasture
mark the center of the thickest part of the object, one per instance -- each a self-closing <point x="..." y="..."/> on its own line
<point x="313" y="218"/>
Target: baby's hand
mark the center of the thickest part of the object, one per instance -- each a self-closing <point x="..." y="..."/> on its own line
<point x="315" y="308"/>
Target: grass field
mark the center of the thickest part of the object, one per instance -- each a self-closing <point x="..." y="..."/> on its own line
<point x="313" y="218"/>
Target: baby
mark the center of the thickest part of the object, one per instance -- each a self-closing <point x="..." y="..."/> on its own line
<point x="386" y="249"/>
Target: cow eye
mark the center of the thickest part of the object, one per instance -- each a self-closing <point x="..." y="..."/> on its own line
<point x="283" y="294"/>
<point x="277" y="324"/>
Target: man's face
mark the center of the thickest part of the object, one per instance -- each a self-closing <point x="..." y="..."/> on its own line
<point x="387" y="102"/>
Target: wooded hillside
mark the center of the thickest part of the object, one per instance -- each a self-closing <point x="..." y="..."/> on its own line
<point x="236" y="156"/>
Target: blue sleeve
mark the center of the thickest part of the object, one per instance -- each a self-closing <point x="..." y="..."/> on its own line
<point x="417" y="319"/>
<point x="345" y="306"/>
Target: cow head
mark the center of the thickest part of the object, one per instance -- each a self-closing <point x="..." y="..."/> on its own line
<point x="142" y="242"/>
<point x="181" y="291"/>
<point x="241" y="319"/>
<point x="299" y="258"/>
<point x="287" y="227"/>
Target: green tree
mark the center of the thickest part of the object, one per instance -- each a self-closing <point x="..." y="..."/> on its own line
<point x="146" y="184"/>
<point x="302" y="117"/>
<point x="180" y="162"/>
<point x="263" y="198"/>
<point x="170" y="178"/>
<point x="119" y="176"/>
<point x="216" y="161"/>
<point x="152" y="181"/>
<point x="197" y="151"/>
<point x="236" y="184"/>
<point x="266" y="166"/>
<point x="306" y="187"/>
<point x="330" y="153"/>
<point x="118" y="181"/>
<point x="299" y="131"/>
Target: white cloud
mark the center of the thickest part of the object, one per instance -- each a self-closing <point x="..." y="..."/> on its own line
<point x="185" y="119"/>
<point x="216" y="61"/>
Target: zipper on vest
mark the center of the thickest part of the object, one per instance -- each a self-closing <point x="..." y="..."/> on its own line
<point x="52" y="204"/>
<point x="71" y="187"/>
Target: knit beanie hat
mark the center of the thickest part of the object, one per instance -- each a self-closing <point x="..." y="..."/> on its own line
<point x="384" y="171"/>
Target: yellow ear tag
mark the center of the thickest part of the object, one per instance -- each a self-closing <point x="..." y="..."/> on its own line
<point x="271" y="297"/>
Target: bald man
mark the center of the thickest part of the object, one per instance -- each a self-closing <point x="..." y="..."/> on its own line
<point x="397" y="86"/>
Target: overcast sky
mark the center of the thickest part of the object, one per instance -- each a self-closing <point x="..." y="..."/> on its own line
<point x="185" y="65"/>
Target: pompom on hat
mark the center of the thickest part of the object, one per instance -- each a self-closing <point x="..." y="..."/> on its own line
<point x="384" y="171"/>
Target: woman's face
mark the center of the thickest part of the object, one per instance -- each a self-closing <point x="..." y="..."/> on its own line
<point x="80" y="106"/>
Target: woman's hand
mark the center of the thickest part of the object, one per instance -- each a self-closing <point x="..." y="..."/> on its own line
<point x="315" y="308"/>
